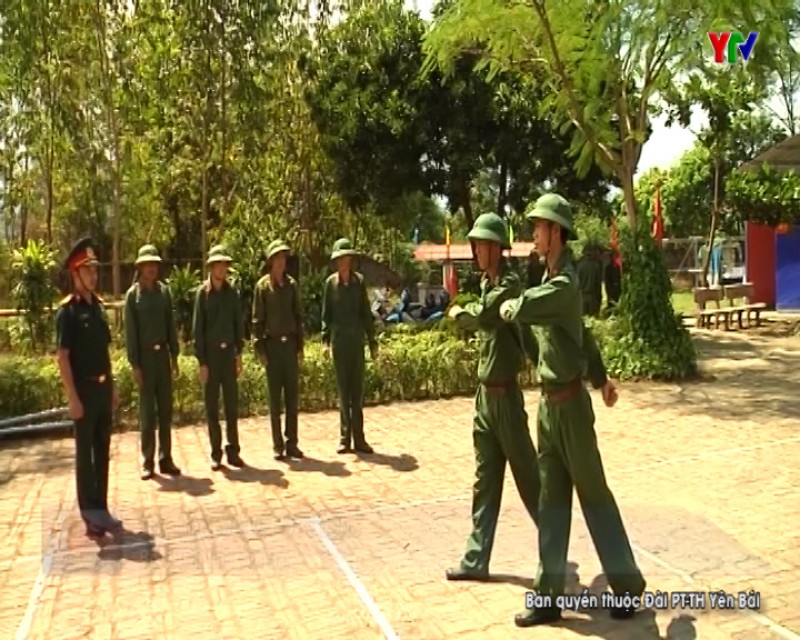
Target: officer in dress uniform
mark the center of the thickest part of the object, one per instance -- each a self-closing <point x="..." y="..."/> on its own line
<point x="151" y="340"/>
<point x="83" y="337"/>
<point x="278" y="341"/>
<point x="347" y="323"/>
<point x="568" y="455"/>
<point x="218" y="329"/>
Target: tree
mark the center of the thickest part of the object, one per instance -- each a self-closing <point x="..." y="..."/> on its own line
<point x="604" y="64"/>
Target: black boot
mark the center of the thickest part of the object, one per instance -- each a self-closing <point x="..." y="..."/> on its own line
<point x="535" y="617"/>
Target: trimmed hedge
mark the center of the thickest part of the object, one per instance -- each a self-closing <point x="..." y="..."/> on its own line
<point x="413" y="365"/>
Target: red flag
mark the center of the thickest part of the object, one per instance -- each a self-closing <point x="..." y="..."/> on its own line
<point x="451" y="279"/>
<point x="616" y="258"/>
<point x="658" y="219"/>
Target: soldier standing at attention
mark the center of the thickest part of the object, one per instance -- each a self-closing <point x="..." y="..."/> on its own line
<point x="568" y="453"/>
<point x="218" y="330"/>
<point x="500" y="431"/>
<point x="83" y="337"/>
<point x="346" y="323"/>
<point x="278" y="341"/>
<point x="151" y="340"/>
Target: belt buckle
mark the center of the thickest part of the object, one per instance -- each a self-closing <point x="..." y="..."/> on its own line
<point x="284" y="338"/>
<point x="156" y="347"/>
<point x="223" y="345"/>
<point x="101" y="379"/>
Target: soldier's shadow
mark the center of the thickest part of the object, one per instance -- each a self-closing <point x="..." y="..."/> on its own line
<point x="272" y="477"/>
<point x="643" y="626"/>
<point x="319" y="466"/>
<point x="195" y="487"/>
<point x="403" y="462"/>
<point x="128" y="545"/>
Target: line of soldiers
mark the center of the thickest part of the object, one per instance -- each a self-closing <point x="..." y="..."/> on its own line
<point x="84" y="338"/>
<point x="543" y="323"/>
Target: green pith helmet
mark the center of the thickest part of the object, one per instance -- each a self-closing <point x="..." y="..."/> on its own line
<point x="554" y="208"/>
<point x="148" y="253"/>
<point x="491" y="227"/>
<point x="341" y="248"/>
<point x="275" y="247"/>
<point x="218" y="254"/>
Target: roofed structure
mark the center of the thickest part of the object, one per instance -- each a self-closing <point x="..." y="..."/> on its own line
<point x="784" y="156"/>
<point x="463" y="251"/>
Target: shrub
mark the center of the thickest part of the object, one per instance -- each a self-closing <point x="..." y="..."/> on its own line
<point x="646" y="338"/>
<point x="183" y="285"/>
<point x="33" y="292"/>
<point x="412" y="366"/>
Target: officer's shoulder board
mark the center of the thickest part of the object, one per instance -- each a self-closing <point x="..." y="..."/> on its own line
<point x="67" y="300"/>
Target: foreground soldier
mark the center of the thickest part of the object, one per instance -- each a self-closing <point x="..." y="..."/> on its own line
<point x="83" y="337"/>
<point x="278" y="341"/>
<point x="568" y="453"/>
<point x="218" y="341"/>
<point x="346" y="323"/>
<point x="151" y="340"/>
<point x="500" y="432"/>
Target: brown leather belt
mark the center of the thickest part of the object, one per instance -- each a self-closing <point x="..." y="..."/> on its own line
<point x="158" y="346"/>
<point x="499" y="388"/>
<point x="563" y="392"/>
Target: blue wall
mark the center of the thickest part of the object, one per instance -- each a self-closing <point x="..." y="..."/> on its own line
<point x="787" y="270"/>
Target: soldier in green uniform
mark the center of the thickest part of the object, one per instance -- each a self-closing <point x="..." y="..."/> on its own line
<point x="218" y="329"/>
<point x="151" y="340"/>
<point x="346" y="324"/>
<point x="83" y="338"/>
<point x="278" y="341"/>
<point x="500" y="429"/>
<point x="590" y="277"/>
<point x="568" y="453"/>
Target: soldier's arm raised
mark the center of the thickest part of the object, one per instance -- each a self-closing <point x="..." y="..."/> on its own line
<point x="542" y="305"/>
<point x="486" y="313"/>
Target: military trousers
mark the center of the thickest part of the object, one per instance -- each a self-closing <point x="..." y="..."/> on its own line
<point x="349" y="363"/>
<point x="500" y="435"/>
<point x="222" y="374"/>
<point x="92" y="449"/>
<point x="283" y="381"/>
<point x="155" y="406"/>
<point x="569" y="457"/>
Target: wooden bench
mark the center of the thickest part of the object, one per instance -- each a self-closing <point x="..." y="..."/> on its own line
<point x="739" y="297"/>
<point x="709" y="310"/>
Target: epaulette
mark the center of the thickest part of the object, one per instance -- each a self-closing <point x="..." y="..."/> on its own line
<point x="69" y="298"/>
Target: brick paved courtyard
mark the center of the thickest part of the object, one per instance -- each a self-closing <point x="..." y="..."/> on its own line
<point x="706" y="475"/>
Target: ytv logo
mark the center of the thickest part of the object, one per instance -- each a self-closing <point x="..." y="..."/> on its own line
<point x="732" y="43"/>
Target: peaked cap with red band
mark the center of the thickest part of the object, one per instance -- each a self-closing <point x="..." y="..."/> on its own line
<point x="81" y="255"/>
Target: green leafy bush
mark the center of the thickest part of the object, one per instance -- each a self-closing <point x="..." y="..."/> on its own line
<point x="646" y="338"/>
<point x="183" y="285"/>
<point x="33" y="293"/>
<point x="412" y="366"/>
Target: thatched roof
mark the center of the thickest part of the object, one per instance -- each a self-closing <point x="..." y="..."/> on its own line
<point x="784" y="156"/>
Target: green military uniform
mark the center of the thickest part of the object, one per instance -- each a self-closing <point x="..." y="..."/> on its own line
<point x="568" y="453"/>
<point x="535" y="270"/>
<point x="151" y="340"/>
<point x="500" y="429"/>
<point x="590" y="277"/>
<point x="347" y="323"/>
<point x="82" y="331"/>
<point x="278" y="339"/>
<point x="218" y="330"/>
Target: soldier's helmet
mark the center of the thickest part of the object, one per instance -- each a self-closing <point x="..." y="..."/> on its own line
<point x="491" y="227"/>
<point x="148" y="253"/>
<point x="554" y="208"/>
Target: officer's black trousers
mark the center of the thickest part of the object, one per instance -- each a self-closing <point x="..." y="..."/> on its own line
<point x="92" y="445"/>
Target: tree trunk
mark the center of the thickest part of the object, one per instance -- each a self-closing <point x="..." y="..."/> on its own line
<point x="625" y="175"/>
<point x="502" y="196"/>
<point x="714" y="223"/>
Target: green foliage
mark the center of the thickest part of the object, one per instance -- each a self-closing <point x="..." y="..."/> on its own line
<point x="412" y="366"/>
<point x="646" y="338"/>
<point x="183" y="283"/>
<point x="312" y="284"/>
<point x="33" y="291"/>
<point x="592" y="230"/>
<point x="766" y="196"/>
